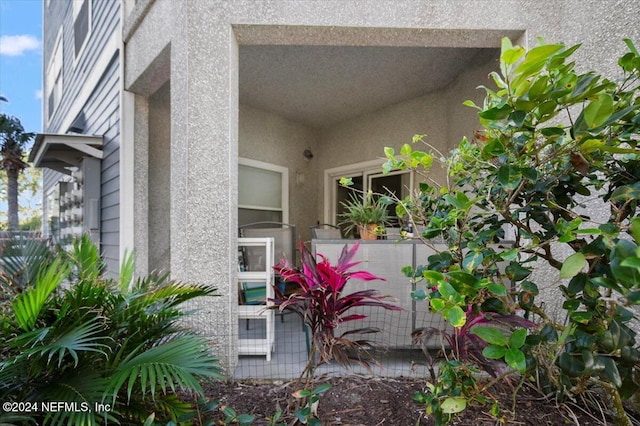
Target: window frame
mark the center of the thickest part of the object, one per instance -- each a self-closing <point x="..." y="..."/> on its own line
<point x="284" y="182"/>
<point x="366" y="169"/>
<point x="55" y="83"/>
<point x="75" y="13"/>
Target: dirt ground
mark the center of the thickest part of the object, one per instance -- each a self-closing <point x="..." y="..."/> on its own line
<point x="373" y="401"/>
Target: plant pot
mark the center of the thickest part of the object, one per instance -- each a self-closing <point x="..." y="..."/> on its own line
<point x="368" y="232"/>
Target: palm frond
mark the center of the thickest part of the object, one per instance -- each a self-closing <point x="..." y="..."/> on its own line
<point x="15" y="420"/>
<point x="86" y="257"/>
<point x="83" y="338"/>
<point x="22" y="260"/>
<point x="28" y="304"/>
<point x="179" y="362"/>
<point x="83" y="386"/>
<point x="127" y="270"/>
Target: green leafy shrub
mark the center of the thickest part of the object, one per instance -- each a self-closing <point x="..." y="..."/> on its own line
<point x="73" y="336"/>
<point x="552" y="140"/>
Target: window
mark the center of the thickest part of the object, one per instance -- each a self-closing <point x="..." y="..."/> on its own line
<point x="365" y="176"/>
<point x="263" y="192"/>
<point x="81" y="24"/>
<point x="54" y="77"/>
<point x="52" y="212"/>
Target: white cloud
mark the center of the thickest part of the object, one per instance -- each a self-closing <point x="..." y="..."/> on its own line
<point x="38" y="94"/>
<point x="16" y="45"/>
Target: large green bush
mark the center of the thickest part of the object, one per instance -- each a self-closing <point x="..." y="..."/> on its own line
<point x="114" y="348"/>
<point x="551" y="142"/>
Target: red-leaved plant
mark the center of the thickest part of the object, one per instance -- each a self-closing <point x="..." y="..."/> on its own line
<point x="324" y="305"/>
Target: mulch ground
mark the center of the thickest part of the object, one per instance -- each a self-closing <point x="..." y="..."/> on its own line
<point x="373" y="401"/>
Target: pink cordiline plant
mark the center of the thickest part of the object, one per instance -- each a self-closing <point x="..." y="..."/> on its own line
<point x="324" y="306"/>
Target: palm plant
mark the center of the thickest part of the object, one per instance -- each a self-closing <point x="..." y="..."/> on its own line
<point x="367" y="214"/>
<point x="13" y="140"/>
<point x="74" y="336"/>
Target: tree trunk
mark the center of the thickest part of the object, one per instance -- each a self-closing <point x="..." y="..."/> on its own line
<point x="12" y="199"/>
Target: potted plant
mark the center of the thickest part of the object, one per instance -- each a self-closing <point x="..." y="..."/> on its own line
<point x="368" y="215"/>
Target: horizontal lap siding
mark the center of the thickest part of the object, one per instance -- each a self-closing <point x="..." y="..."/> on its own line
<point x="101" y="109"/>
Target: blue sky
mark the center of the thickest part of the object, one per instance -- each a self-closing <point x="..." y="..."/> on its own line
<point x="21" y="71"/>
<point x="21" y="61"/>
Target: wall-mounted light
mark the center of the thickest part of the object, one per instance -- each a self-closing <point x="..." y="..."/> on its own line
<point x="308" y="155"/>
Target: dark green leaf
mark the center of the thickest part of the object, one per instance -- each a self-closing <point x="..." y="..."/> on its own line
<point x="509" y="177"/>
<point x="529" y="287"/>
<point x="517" y="272"/>
<point x="611" y="371"/>
<point x="549" y="333"/>
<point x="530" y="173"/>
<point x="496" y="113"/>
<point x="571" y="304"/>
<point x="494" y="148"/>
<point x="418" y="294"/>
<point x="517" y="118"/>
<point x="626" y="275"/>
<point x="572" y="366"/>
<point x="581" y="317"/>
<point x="493" y="304"/>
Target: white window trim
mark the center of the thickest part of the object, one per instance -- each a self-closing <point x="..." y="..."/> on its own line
<point x="366" y="169"/>
<point x="48" y="91"/>
<point x="284" y="172"/>
<point x="76" y="11"/>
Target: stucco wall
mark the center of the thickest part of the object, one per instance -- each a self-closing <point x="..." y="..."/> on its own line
<point x="440" y="115"/>
<point x="204" y="37"/>
<point x="159" y="180"/>
<point x="270" y="138"/>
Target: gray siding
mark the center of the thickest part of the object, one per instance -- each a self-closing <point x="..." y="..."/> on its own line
<point x="101" y="108"/>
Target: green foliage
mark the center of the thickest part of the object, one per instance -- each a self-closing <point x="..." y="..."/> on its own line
<point x="551" y="138"/>
<point x="29" y="198"/>
<point x="74" y="336"/>
<point x="454" y="388"/>
<point x="308" y="414"/>
<point x="361" y="211"/>
<point x="13" y="142"/>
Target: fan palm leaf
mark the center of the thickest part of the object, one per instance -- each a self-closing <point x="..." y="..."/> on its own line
<point x="22" y="260"/>
<point x="179" y="362"/>
<point x="86" y="258"/>
<point x="28" y="304"/>
<point x="85" y="337"/>
<point x="83" y="386"/>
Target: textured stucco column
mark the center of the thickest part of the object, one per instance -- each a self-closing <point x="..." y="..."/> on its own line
<point x="140" y="187"/>
<point x="204" y="120"/>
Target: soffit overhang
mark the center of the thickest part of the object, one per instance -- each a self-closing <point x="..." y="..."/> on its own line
<point x="60" y="152"/>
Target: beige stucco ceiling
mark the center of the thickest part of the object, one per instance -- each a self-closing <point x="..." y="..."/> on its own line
<point x="324" y="85"/>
